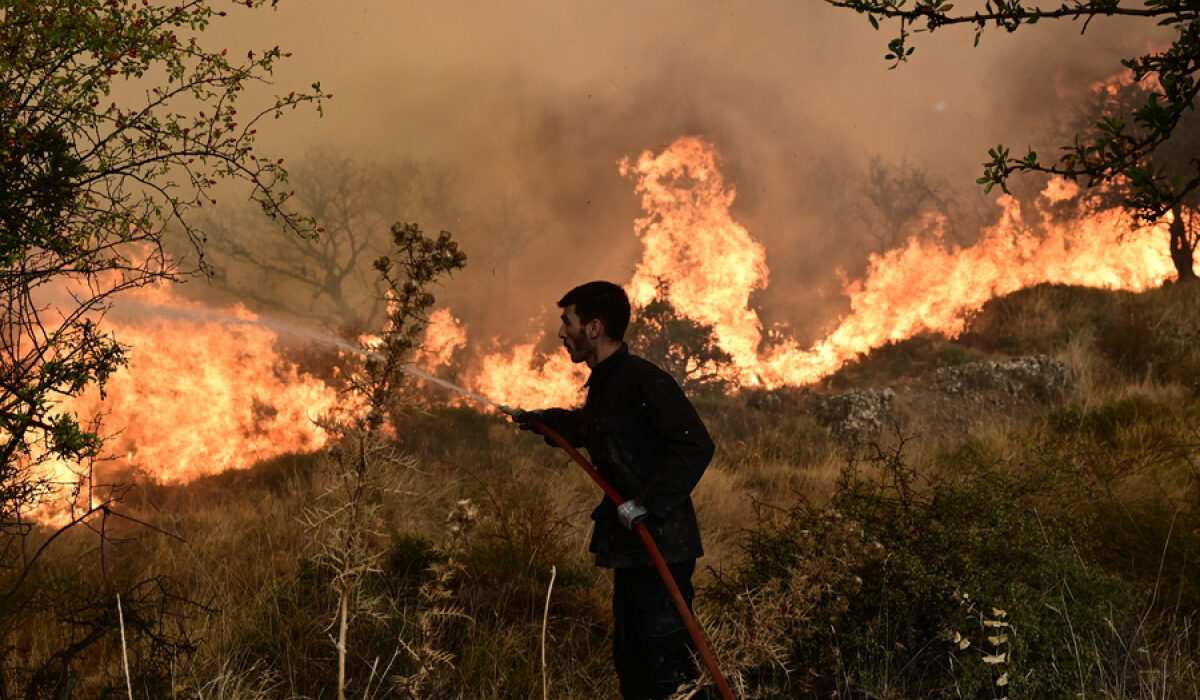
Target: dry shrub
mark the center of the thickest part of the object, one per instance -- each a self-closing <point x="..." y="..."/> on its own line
<point x="800" y="570"/>
<point x="865" y="596"/>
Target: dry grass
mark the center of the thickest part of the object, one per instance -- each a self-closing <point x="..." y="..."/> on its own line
<point x="474" y="625"/>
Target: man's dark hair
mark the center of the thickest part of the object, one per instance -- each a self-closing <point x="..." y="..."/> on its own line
<point x="603" y="300"/>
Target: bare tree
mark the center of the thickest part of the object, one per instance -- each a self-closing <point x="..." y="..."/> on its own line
<point x="329" y="276"/>
<point x="896" y="196"/>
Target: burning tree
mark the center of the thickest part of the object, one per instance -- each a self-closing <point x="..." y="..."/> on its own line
<point x="1121" y="95"/>
<point x="1126" y="146"/>
<point x="685" y="348"/>
<point x="116" y="123"/>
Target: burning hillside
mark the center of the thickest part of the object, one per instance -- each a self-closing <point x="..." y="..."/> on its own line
<point x="209" y="391"/>
<point x="711" y="265"/>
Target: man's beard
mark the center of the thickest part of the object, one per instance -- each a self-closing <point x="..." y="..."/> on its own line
<point x="578" y="347"/>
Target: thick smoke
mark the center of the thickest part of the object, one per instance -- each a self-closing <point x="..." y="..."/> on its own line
<point x="523" y="110"/>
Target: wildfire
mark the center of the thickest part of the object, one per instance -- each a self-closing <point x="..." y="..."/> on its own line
<point x="204" y="391"/>
<point x="207" y="391"/>
<point x="712" y="265"/>
<point x="444" y="335"/>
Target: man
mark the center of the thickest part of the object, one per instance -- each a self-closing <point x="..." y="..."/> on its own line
<point x="644" y="437"/>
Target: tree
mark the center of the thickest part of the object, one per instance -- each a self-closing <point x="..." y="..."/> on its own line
<point x="1126" y="145"/>
<point x="1123" y="95"/>
<point x="898" y="194"/>
<point x="683" y="347"/>
<point x="332" y="273"/>
<point x="116" y="123"/>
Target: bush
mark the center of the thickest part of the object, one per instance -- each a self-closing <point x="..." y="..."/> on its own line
<point x="898" y="586"/>
<point x="912" y="357"/>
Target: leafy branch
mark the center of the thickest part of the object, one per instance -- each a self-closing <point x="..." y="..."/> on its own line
<point x="1123" y="145"/>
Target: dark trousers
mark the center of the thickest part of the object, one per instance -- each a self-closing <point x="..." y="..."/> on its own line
<point x="652" y="649"/>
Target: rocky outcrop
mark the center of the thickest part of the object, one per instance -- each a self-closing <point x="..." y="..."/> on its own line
<point x="855" y="416"/>
<point x="948" y="402"/>
<point x="1039" y="379"/>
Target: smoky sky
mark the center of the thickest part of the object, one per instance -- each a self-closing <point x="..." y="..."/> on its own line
<point x="532" y="104"/>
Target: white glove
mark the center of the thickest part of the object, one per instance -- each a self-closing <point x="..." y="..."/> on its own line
<point x="630" y="513"/>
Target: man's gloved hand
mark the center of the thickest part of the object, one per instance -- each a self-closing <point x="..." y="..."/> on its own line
<point x="522" y="417"/>
<point x="630" y="513"/>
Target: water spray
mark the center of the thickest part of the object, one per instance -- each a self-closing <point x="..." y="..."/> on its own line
<point x="350" y="347"/>
<point x="454" y="387"/>
<point x="281" y="327"/>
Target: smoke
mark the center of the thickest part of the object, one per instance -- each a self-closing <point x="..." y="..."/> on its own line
<point x="529" y="107"/>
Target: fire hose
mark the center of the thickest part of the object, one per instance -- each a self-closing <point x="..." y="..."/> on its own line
<point x="660" y="564"/>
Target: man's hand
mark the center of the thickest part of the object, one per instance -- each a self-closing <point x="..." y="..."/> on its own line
<point x="630" y="513"/>
<point x="522" y="417"/>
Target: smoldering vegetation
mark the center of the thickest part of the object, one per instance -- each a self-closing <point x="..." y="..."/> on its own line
<point x="992" y="526"/>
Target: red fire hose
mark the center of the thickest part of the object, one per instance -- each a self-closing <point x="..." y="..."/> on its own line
<point x="693" y="629"/>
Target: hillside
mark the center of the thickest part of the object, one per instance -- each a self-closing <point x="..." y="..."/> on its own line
<point x="1012" y="512"/>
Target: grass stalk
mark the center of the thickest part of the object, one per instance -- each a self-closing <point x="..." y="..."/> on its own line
<point x="545" y="618"/>
<point x="124" y="648"/>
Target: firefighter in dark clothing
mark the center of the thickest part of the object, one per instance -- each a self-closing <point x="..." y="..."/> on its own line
<point x="645" y="438"/>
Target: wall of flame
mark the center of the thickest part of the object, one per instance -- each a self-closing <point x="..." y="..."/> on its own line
<point x="209" y="391"/>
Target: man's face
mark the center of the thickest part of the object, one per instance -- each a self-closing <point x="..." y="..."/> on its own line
<point x="574" y="335"/>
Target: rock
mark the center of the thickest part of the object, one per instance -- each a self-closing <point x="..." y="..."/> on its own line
<point x="1039" y="378"/>
<point x="855" y="416"/>
<point x="947" y="403"/>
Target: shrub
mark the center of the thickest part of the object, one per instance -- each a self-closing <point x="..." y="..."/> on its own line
<point x="888" y="581"/>
<point x="912" y="357"/>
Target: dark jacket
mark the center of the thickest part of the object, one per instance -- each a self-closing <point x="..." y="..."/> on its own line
<point x="645" y="438"/>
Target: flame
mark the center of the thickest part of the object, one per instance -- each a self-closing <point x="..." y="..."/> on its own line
<point x="710" y="262"/>
<point x="204" y="391"/>
<point x="521" y="377"/>
<point x="927" y="287"/>
<point x="712" y="265"/>
<point x="443" y="336"/>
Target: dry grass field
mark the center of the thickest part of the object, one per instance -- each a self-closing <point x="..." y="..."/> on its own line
<point x="981" y="531"/>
